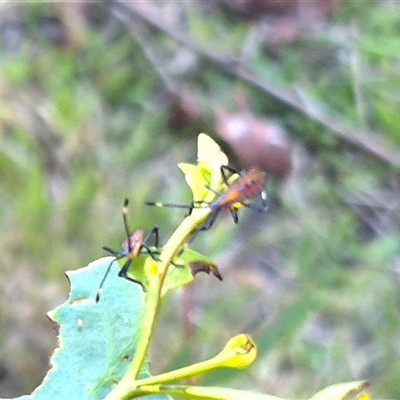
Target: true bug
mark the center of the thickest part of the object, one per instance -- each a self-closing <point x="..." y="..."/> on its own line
<point x="132" y="246"/>
<point x="249" y="184"/>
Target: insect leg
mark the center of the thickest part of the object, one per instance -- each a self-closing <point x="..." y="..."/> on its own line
<point x="123" y="273"/>
<point x="153" y="232"/>
<point x="208" y="222"/>
<point x="235" y="216"/>
<point x="103" y="280"/>
<point x="223" y="169"/>
<point x="259" y="208"/>
<point x="116" y="253"/>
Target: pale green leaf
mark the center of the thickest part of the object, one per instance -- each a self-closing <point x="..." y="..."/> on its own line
<point x="342" y="391"/>
<point x="214" y="393"/>
<point x="96" y="340"/>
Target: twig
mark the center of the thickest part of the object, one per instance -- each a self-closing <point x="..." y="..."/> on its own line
<point x="298" y="99"/>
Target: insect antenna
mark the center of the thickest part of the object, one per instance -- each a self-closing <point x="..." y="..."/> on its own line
<point x="116" y="253"/>
<point x="126" y="225"/>
<point x="169" y="205"/>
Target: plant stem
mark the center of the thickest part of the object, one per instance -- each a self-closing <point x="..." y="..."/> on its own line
<point x="153" y="300"/>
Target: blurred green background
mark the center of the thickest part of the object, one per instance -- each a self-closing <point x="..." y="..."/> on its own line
<point x="99" y="102"/>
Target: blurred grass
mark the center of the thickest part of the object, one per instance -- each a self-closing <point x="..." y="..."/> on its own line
<point x="84" y="123"/>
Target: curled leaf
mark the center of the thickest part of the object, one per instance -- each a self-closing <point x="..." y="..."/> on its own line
<point x="207" y="172"/>
<point x="197" y="179"/>
<point x="181" y="272"/>
<point x="343" y="391"/>
<point x="207" y="393"/>
<point x="239" y="352"/>
<point x="209" y="154"/>
<point x="207" y="267"/>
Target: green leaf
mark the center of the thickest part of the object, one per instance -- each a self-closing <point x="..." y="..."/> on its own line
<point x="186" y="264"/>
<point x="207" y="172"/>
<point x="212" y="393"/>
<point x="96" y="340"/>
<point x="182" y="273"/>
<point x="343" y="391"/>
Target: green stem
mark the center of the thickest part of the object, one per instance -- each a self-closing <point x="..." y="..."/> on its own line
<point x="185" y="372"/>
<point x="171" y="248"/>
<point x="153" y="301"/>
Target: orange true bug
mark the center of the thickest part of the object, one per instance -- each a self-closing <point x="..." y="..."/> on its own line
<point x="132" y="246"/>
<point x="249" y="184"/>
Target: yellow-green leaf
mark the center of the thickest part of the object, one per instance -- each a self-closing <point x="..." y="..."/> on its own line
<point x="343" y="391"/>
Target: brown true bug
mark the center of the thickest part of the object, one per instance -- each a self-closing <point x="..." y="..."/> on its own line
<point x="249" y="184"/>
<point x="134" y="245"/>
